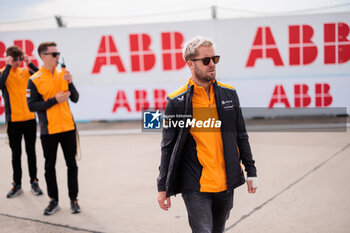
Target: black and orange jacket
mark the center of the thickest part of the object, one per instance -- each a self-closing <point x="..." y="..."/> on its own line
<point x="54" y="117"/>
<point x="13" y="84"/>
<point x="180" y="169"/>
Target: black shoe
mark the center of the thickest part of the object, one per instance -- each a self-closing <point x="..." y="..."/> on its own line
<point x="15" y="191"/>
<point x="51" y="208"/>
<point x="36" y="189"/>
<point x="74" y="206"/>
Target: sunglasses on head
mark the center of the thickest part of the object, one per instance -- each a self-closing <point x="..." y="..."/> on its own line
<point x="53" y="54"/>
<point x="18" y="59"/>
<point x="206" y="60"/>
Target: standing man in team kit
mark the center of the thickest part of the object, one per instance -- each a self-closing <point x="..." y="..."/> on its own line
<point x="20" y="121"/>
<point x="48" y="93"/>
<point x="204" y="164"/>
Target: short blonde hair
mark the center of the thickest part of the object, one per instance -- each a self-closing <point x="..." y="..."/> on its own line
<point x="190" y="48"/>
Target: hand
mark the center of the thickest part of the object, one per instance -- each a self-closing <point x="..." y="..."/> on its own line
<point x="163" y="201"/>
<point x="250" y="186"/>
<point x="9" y="60"/>
<point x="68" y="77"/>
<point x="62" y="96"/>
<point x="26" y="59"/>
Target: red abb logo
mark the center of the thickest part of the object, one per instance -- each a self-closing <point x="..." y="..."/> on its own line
<point x="301" y="97"/>
<point x="2" y="108"/>
<point x="142" y="57"/>
<point x="264" y="46"/>
<point x="337" y="47"/>
<point x="107" y="55"/>
<point x="172" y="51"/>
<point x="302" y="50"/>
<point x="142" y="101"/>
<point x="26" y="45"/>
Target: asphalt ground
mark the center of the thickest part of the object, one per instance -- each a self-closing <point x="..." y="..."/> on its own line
<point x="303" y="185"/>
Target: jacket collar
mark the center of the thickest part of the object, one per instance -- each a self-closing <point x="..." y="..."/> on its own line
<point x="47" y="71"/>
<point x="191" y="84"/>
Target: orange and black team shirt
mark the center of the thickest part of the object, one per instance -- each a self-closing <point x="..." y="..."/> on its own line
<point x="203" y="167"/>
<point x="13" y="84"/>
<point x="208" y="143"/>
<point x="54" y="117"/>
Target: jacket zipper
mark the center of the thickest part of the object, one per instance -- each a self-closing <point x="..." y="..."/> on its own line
<point x="218" y="109"/>
<point x="218" y="155"/>
<point x="56" y="82"/>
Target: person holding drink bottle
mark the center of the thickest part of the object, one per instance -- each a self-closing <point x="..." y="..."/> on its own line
<point x="48" y="94"/>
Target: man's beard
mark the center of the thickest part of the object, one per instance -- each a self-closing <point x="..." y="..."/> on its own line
<point x="202" y="76"/>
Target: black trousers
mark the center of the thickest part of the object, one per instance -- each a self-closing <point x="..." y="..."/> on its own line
<point x="15" y="131"/>
<point x="208" y="212"/>
<point x="69" y="147"/>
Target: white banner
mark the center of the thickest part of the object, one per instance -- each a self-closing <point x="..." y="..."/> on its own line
<point x="289" y="62"/>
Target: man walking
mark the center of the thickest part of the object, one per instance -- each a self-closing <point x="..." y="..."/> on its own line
<point x="20" y="121"/>
<point x="204" y="164"/>
<point x="48" y="95"/>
